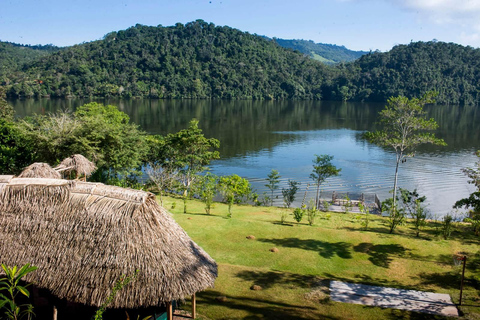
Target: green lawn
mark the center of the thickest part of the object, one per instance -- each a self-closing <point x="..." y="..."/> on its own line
<point x="295" y="279"/>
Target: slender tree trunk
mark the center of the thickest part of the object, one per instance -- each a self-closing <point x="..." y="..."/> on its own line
<point x="395" y="183"/>
<point x="316" y="199"/>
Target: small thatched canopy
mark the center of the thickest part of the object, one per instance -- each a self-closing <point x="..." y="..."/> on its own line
<point x="78" y="164"/>
<point x="40" y="170"/>
<point x="84" y="236"/>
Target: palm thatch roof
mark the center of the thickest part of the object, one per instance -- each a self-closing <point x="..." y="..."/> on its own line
<point x="40" y="170"/>
<point x="78" y="164"/>
<point x="84" y="236"/>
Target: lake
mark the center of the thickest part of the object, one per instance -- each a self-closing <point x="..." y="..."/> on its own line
<point x="257" y="136"/>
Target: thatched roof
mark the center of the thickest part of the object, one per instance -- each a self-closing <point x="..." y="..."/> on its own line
<point x="39" y="170"/>
<point x="77" y="163"/>
<point x="84" y="236"/>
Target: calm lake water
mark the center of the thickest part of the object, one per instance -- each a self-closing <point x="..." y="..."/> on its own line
<point x="259" y="136"/>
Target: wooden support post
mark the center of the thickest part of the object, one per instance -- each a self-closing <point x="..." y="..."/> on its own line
<point x="55" y="313"/>
<point x="169" y="311"/>
<point x="194" y="306"/>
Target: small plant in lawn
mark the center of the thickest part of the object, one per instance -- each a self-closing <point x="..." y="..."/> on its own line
<point x="328" y="216"/>
<point x="119" y="285"/>
<point x="265" y="200"/>
<point x="322" y="170"/>
<point x="366" y="215"/>
<point x="283" y="216"/>
<point x="10" y="288"/>
<point x="174" y="204"/>
<point x="312" y="213"/>
<point x="347" y="205"/>
<point x="290" y="192"/>
<point x="325" y="205"/>
<point x="396" y="216"/>
<point x="298" y="214"/>
<point x="273" y="179"/>
<point x="207" y="189"/>
<point x="412" y="204"/>
<point x="447" y="225"/>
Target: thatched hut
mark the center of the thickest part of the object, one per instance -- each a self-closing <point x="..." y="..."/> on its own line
<point x="77" y="164"/>
<point x="40" y="170"/>
<point x="84" y="236"/>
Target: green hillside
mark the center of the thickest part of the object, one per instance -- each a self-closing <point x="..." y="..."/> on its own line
<point x="411" y="70"/>
<point x="326" y="53"/>
<point x="196" y="60"/>
<point x="201" y="60"/>
<point x="13" y="56"/>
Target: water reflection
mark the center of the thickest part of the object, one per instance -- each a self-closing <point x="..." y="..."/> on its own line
<point x="257" y="136"/>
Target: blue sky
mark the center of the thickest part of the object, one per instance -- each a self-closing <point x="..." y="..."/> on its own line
<point x="356" y="24"/>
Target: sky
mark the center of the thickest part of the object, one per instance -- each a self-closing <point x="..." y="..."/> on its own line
<point x="356" y="24"/>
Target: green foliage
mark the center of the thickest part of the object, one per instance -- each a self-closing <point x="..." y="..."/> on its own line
<point x="396" y="216"/>
<point x="366" y="216"/>
<point x="312" y="213"/>
<point x="322" y="170"/>
<point x="15" y="153"/>
<point x="207" y="187"/>
<point x="290" y="192"/>
<point x="116" y="143"/>
<point x="327" y="53"/>
<point x="10" y="288"/>
<point x="273" y="179"/>
<point x="347" y="204"/>
<point x="473" y="201"/>
<point x="298" y="214"/>
<point x="119" y="285"/>
<point x="6" y="110"/>
<point x="447" y="226"/>
<point x="195" y="60"/>
<point x="412" y="204"/>
<point x="403" y="129"/>
<point x="410" y="70"/>
<point x="234" y="189"/>
<point x="283" y="216"/>
<point x="100" y="133"/>
<point x="188" y="152"/>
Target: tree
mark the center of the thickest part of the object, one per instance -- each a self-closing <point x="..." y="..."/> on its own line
<point x="473" y="201"/>
<point x="273" y="179"/>
<point x="404" y="125"/>
<point x="290" y="192"/>
<point x="116" y="144"/>
<point x="207" y="189"/>
<point x="100" y="133"/>
<point x="190" y="152"/>
<point x="234" y="189"/>
<point x="322" y="170"/>
<point x="412" y="204"/>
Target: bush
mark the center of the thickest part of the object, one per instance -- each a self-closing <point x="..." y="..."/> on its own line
<point x="447" y="226"/>
<point x="298" y="214"/>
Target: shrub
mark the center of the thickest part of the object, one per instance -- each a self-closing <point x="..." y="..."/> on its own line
<point x="298" y="214"/>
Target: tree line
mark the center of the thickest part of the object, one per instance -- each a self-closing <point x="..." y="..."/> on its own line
<point x="201" y="60"/>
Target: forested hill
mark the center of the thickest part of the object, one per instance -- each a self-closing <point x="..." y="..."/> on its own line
<point x="196" y="60"/>
<point x="411" y="70"/>
<point x="201" y="60"/>
<point x="13" y="56"/>
<point x="326" y="53"/>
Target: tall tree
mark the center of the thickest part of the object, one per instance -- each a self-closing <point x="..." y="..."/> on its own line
<point x="273" y="179"/>
<point x="404" y="124"/>
<point x="190" y="152"/>
<point x="322" y="170"/>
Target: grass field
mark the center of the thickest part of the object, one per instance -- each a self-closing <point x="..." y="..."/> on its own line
<point x="295" y="279"/>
